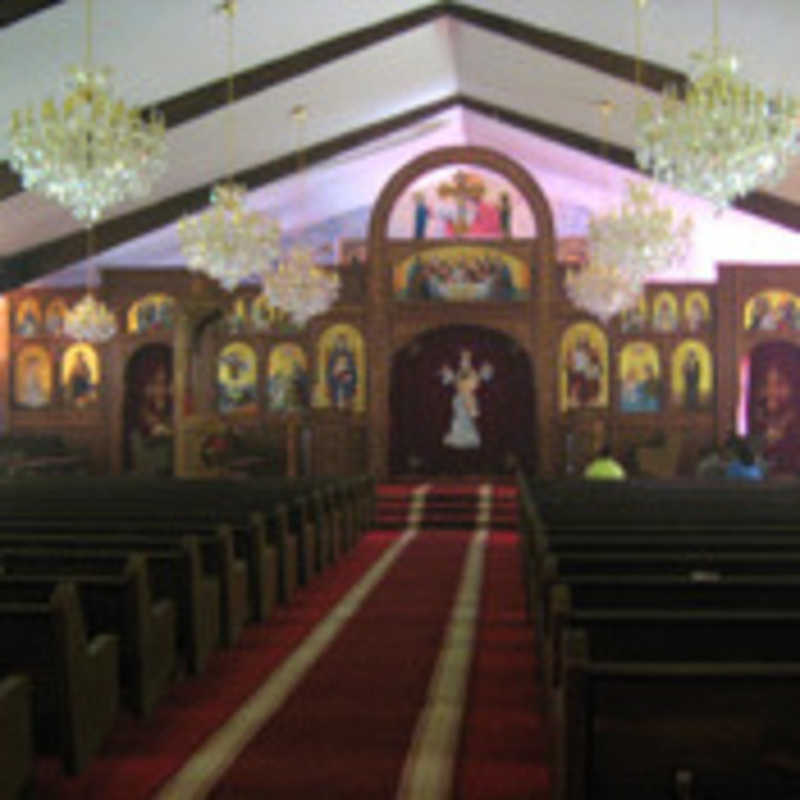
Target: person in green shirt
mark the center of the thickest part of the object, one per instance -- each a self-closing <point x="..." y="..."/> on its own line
<point x="605" y="467"/>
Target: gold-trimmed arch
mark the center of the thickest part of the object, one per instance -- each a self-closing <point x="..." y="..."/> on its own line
<point x="28" y="317"/>
<point x="583" y="367"/>
<point x="341" y="369"/>
<point x="33" y="377"/>
<point x="55" y="316"/>
<point x="237" y="378"/>
<point x="772" y="310"/>
<point x="287" y="377"/>
<point x="80" y="374"/>
<point x="640" y="380"/>
<point x="153" y="312"/>
<point x="692" y="376"/>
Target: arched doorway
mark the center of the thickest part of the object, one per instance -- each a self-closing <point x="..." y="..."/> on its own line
<point x="461" y="403"/>
<point x="773" y="403"/>
<point x="148" y="423"/>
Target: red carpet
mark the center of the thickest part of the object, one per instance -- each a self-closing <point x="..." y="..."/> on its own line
<point x="142" y="754"/>
<point x="503" y="746"/>
<point x="345" y="730"/>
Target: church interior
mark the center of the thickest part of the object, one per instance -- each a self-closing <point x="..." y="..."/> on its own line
<point x="312" y="320"/>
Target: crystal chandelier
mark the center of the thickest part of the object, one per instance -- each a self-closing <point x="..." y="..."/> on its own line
<point x="641" y="238"/>
<point x="91" y="151"/>
<point x="299" y="288"/>
<point x="227" y="242"/>
<point x="602" y="290"/>
<point x="725" y="138"/>
<point x="295" y="285"/>
<point x="90" y="320"/>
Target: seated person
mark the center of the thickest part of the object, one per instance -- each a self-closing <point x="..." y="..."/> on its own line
<point x="744" y="466"/>
<point x="605" y="467"/>
<point x="712" y="465"/>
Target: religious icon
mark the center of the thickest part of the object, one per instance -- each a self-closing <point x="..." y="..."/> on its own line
<point x="462" y="201"/>
<point x="583" y="367"/>
<point x="504" y="209"/>
<point x="461" y="274"/>
<point x="154" y="312"/>
<point x="80" y="375"/>
<point x="665" y="313"/>
<point x="772" y="310"/>
<point x="640" y="378"/>
<point x="421" y="213"/>
<point x="32" y="377"/>
<point x="633" y="320"/>
<point x="54" y="317"/>
<point x="774" y="406"/>
<point x="236" y="319"/>
<point x="341" y="369"/>
<point x="474" y="215"/>
<point x="261" y="314"/>
<point x="341" y="373"/>
<point x="29" y="317"/>
<point x="463" y="433"/>
<point x="696" y="312"/>
<point x="155" y="417"/>
<point x="692" y="375"/>
<point x="236" y="378"/>
<point x="287" y="378"/>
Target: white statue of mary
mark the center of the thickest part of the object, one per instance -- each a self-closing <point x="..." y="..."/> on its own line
<point x="463" y="433"/>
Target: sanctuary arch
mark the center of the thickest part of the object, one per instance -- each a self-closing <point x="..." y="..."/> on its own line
<point x="473" y="249"/>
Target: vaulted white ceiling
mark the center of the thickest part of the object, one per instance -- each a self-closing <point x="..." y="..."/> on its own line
<point x="531" y="74"/>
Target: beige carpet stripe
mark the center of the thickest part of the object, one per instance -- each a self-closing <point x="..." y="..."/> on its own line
<point x="206" y="766"/>
<point x="428" y="769"/>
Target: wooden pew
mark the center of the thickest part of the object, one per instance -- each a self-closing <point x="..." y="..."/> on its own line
<point x="16" y="737"/>
<point x="699" y="564"/>
<point x="646" y="698"/>
<point x="569" y="598"/>
<point x="175" y="568"/>
<point x="259" y="522"/>
<point x="216" y="545"/>
<point x="76" y="687"/>
<point x="220" y="499"/>
<point x="115" y="597"/>
<point x="670" y="503"/>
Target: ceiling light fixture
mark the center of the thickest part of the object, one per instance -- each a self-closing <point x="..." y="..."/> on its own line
<point x="295" y="285"/>
<point x="725" y="138"/>
<point x="90" y="319"/>
<point x="227" y="242"/>
<point x="92" y="151"/>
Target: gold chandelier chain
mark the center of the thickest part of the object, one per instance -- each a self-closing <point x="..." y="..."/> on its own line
<point x="228" y="7"/>
<point x="89" y="35"/>
<point x="715" y="29"/>
<point x="637" y="76"/>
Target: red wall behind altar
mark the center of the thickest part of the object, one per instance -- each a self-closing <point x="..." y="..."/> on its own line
<point x="422" y="407"/>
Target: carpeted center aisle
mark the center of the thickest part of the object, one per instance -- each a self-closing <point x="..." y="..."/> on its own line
<point x="406" y="671"/>
<point x="503" y="748"/>
<point x="345" y="731"/>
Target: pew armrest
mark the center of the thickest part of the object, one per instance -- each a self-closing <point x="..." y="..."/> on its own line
<point x="16" y="736"/>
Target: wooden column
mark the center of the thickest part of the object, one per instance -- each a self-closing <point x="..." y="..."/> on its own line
<point x="5" y="350"/>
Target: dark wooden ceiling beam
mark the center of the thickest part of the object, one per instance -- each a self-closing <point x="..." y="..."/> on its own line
<point x="205" y="99"/>
<point x="766" y="206"/>
<point x="24" y="267"/>
<point x="610" y="62"/>
<point x="41" y="260"/>
<point x="12" y="11"/>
